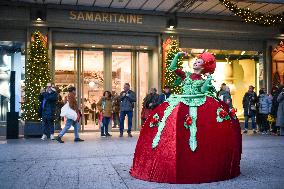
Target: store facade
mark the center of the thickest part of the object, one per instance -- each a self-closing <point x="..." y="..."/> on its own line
<point x="101" y="49"/>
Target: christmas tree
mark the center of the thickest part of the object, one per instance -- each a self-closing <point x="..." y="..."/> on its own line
<point x="171" y="79"/>
<point x="37" y="76"/>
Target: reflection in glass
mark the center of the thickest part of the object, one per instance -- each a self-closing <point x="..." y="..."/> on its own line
<point x="121" y="70"/>
<point x="143" y="73"/>
<point x="93" y="77"/>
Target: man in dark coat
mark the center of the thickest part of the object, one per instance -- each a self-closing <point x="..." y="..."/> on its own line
<point x="48" y="99"/>
<point x="127" y="99"/>
<point x="249" y="105"/>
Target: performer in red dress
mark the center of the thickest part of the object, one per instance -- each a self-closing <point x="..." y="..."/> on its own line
<point x="190" y="138"/>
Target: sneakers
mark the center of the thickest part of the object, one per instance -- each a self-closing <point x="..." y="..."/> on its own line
<point x="245" y="132"/>
<point x="130" y="135"/>
<point x="59" y="139"/>
<point x="121" y="135"/>
<point x="44" y="137"/>
<point x="254" y="132"/>
<point x="108" y="135"/>
<point x="103" y="135"/>
<point x="78" y="140"/>
<point x="52" y="137"/>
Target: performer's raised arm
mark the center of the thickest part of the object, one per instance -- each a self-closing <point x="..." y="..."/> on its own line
<point x="173" y="66"/>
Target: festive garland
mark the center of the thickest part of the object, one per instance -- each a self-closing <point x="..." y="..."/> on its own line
<point x="254" y="17"/>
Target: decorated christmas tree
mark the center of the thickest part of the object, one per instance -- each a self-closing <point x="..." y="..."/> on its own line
<point x="37" y="76"/>
<point x="171" y="79"/>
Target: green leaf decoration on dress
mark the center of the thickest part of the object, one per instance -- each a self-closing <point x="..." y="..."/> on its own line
<point x="222" y="115"/>
<point x="192" y="127"/>
<point x="155" y="120"/>
<point x="178" y="81"/>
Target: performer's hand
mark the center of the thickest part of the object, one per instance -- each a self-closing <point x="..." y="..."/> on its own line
<point x="127" y="94"/>
<point x="123" y="94"/>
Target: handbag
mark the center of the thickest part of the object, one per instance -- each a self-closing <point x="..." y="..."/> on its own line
<point x="68" y="112"/>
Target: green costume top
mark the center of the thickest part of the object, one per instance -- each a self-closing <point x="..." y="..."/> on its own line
<point x="194" y="95"/>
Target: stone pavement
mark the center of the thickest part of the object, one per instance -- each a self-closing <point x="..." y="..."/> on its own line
<point x="103" y="163"/>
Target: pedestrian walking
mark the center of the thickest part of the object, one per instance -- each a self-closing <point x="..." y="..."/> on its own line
<point x="150" y="102"/>
<point x="73" y="115"/>
<point x="127" y="100"/>
<point x="164" y="95"/>
<point x="105" y="107"/>
<point x="264" y="108"/>
<point x="48" y="99"/>
<point x="249" y="105"/>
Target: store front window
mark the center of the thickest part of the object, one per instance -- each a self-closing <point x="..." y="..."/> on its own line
<point x="11" y="59"/>
<point x="238" y="69"/>
<point x="121" y="70"/>
<point x="93" y="71"/>
<point x="93" y="86"/>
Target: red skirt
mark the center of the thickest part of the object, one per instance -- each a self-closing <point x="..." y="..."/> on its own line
<point x="217" y="156"/>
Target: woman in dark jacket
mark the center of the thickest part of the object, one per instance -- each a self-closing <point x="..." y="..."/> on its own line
<point x="150" y="102"/>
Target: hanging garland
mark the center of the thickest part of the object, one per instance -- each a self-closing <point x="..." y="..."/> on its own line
<point x="254" y="17"/>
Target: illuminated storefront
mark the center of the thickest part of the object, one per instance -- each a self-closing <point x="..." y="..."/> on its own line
<point x="98" y="50"/>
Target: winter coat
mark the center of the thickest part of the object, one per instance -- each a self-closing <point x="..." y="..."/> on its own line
<point x="249" y="103"/>
<point x="280" y="112"/>
<point x="275" y="104"/>
<point x="127" y="101"/>
<point x="225" y="96"/>
<point x="105" y="106"/>
<point x="68" y="112"/>
<point x="264" y="104"/>
<point x="163" y="97"/>
<point x="48" y="104"/>
<point x="151" y="98"/>
<point x="115" y="104"/>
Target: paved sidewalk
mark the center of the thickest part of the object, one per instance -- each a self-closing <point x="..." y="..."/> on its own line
<point x="103" y="163"/>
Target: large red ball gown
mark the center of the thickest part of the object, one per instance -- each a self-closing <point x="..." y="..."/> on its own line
<point x="189" y="139"/>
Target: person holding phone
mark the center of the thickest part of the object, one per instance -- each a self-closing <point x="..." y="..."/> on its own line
<point x="48" y="98"/>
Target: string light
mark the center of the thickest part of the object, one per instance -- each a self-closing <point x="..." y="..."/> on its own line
<point x="254" y="17"/>
<point x="37" y="75"/>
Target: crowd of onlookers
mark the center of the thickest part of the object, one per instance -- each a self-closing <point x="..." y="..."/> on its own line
<point x="110" y="106"/>
<point x="265" y="110"/>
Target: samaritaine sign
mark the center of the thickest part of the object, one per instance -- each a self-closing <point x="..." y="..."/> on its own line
<point x="106" y="17"/>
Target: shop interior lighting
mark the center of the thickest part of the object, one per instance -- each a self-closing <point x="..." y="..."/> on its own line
<point x="243" y="52"/>
<point x="119" y="47"/>
<point x="145" y="48"/>
<point x="66" y="45"/>
<point x="93" y="46"/>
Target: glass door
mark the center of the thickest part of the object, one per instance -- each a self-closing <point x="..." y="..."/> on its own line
<point x="142" y="81"/>
<point x="65" y="75"/>
<point x="92" y="83"/>
<point x="121" y="74"/>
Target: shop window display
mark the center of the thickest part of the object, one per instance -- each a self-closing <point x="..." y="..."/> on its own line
<point x="11" y="59"/>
